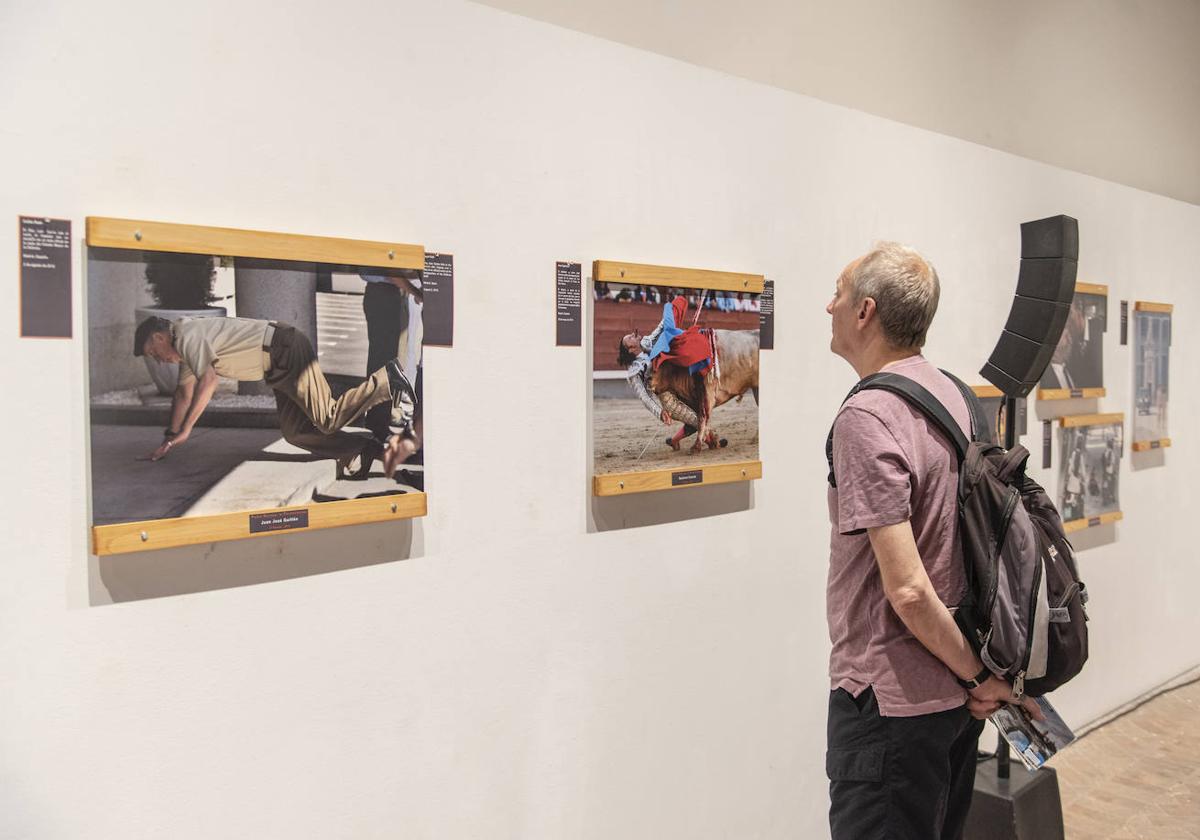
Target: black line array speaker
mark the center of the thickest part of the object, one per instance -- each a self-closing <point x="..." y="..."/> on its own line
<point x="1045" y="287"/>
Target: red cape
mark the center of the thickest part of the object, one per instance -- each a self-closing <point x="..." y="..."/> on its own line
<point x="690" y="347"/>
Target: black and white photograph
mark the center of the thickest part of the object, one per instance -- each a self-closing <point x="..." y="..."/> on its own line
<point x="1089" y="470"/>
<point x="222" y="384"/>
<point x="1078" y="360"/>
<point x="1151" y="365"/>
<point x="993" y="409"/>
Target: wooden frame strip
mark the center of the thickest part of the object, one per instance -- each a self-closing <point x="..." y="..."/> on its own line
<point x="987" y="392"/>
<point x="1091" y="289"/>
<point x="104" y="232"/>
<point x="620" y="484"/>
<point x="1068" y="394"/>
<point x="1092" y="522"/>
<point x="199" y="530"/>
<point x="1091" y="419"/>
<point x="1147" y="445"/>
<point x="1147" y="306"/>
<point x="610" y="271"/>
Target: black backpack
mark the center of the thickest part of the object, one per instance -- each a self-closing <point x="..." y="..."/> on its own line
<point x="1023" y="610"/>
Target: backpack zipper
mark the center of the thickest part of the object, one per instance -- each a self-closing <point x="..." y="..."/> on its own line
<point x="1068" y="595"/>
<point x="1019" y="682"/>
<point x="1005" y="521"/>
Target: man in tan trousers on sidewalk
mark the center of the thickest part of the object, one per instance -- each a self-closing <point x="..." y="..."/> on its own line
<point x="251" y="350"/>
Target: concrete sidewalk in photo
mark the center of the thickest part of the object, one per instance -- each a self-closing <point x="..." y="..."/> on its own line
<point x="218" y="470"/>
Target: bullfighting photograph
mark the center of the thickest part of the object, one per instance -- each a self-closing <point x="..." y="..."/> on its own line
<point x="675" y="377"/>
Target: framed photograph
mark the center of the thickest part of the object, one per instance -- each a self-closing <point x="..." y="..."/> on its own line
<point x="1151" y="363"/>
<point x="1090" y="450"/>
<point x="992" y="399"/>
<point x="244" y="383"/>
<point x="1077" y="367"/>
<point x="675" y="390"/>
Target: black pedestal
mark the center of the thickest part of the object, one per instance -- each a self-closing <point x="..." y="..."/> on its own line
<point x="1025" y="806"/>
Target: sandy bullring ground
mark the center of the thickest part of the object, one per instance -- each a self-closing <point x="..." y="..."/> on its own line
<point x="623" y="427"/>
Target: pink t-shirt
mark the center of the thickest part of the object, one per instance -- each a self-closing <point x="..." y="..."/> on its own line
<point x="891" y="465"/>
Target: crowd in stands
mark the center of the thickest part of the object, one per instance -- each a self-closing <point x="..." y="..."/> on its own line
<point x="720" y="301"/>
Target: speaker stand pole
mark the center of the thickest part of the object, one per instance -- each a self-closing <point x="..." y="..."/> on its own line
<point x="1003" y="759"/>
<point x="1027" y="807"/>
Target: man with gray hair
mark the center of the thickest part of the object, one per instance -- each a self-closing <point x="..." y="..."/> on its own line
<point x="908" y="694"/>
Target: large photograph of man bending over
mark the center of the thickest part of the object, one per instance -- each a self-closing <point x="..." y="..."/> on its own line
<point x="246" y="384"/>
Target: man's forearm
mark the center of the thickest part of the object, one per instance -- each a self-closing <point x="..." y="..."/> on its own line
<point x="204" y="390"/>
<point x="648" y="399"/>
<point x="927" y="618"/>
<point x="910" y="592"/>
<point x="406" y="286"/>
<point x="179" y="405"/>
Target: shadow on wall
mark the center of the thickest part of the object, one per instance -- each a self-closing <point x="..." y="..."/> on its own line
<point x="1094" y="537"/>
<point x="616" y="513"/>
<point x="1149" y="459"/>
<point x="224" y="565"/>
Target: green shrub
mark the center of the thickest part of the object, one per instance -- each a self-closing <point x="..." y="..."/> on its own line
<point x="180" y="281"/>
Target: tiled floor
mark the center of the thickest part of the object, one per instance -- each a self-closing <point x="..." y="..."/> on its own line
<point x="1137" y="776"/>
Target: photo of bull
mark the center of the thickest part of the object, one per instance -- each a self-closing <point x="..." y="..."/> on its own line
<point x="690" y="398"/>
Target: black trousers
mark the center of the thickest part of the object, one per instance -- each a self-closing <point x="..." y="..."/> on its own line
<point x="908" y="778"/>
<point x="386" y="311"/>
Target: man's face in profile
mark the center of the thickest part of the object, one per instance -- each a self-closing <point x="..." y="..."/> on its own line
<point x="842" y="310"/>
<point x="159" y="348"/>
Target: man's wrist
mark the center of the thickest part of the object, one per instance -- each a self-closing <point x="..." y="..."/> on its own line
<point x="169" y="433"/>
<point x="978" y="680"/>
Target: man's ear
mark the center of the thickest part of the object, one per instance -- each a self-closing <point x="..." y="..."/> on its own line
<point x="866" y="310"/>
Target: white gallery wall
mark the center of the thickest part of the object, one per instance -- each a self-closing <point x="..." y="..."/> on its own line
<point x="522" y="663"/>
<point x="1106" y="87"/>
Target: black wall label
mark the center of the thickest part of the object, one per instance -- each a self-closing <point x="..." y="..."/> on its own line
<point x="1124" y="322"/>
<point x="1076" y="393"/>
<point x="1046" y="444"/>
<point x="1156" y="444"/>
<point x="437" y="287"/>
<point x="45" y="277"/>
<point x="766" y="316"/>
<point x="1093" y="521"/>
<point x="1022" y="417"/>
<point x="682" y="477"/>
<point x="282" y="520"/>
<point x="568" y="298"/>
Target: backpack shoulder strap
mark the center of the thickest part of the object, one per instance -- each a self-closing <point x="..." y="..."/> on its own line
<point x="862" y="383"/>
<point x="979" y="421"/>
<point x="917" y="396"/>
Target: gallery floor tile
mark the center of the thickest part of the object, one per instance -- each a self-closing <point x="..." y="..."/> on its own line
<point x="1137" y="776"/>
